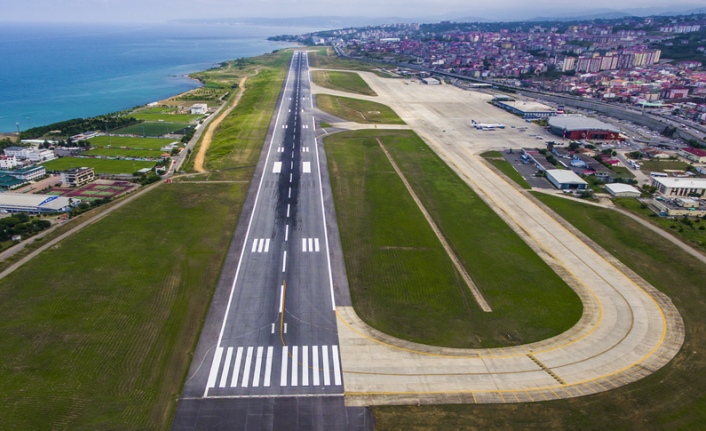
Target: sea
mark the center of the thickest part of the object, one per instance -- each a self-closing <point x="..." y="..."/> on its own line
<point x="56" y="72"/>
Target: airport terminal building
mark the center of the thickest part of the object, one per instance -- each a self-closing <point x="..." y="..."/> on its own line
<point x="525" y="109"/>
<point x="578" y="127"/>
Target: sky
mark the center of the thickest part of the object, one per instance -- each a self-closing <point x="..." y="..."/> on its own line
<point x="142" y="11"/>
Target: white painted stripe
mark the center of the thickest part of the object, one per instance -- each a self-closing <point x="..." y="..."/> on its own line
<point x="284" y="262"/>
<point x="260" y="245"/>
<point x="273" y="329"/>
<point x="246" y="368"/>
<point x="295" y="364"/>
<point x="277" y="168"/>
<point x="324" y="359"/>
<point x="290" y="193"/>
<point x="268" y="368"/>
<point x="303" y="244"/>
<point x="311" y="244"/>
<point x="267" y="245"/>
<point x="281" y="299"/>
<point x="336" y="366"/>
<point x="254" y="245"/>
<point x="315" y="351"/>
<point x="236" y="368"/>
<point x="215" y="365"/>
<point x="226" y="368"/>
<point x="316" y="244"/>
<point x="291" y="165"/>
<point x="305" y="366"/>
<point x="290" y="178"/>
<point x="286" y="233"/>
<point x="285" y="328"/>
<point x="306" y="167"/>
<point x="283" y="370"/>
<point x="258" y="367"/>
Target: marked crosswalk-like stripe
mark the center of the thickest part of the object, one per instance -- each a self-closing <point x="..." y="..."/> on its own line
<point x="260" y="245"/>
<point x="246" y="369"/>
<point x="303" y="244"/>
<point x="258" y="367"/>
<point x="268" y="368"/>
<point x="324" y="357"/>
<point x="315" y="351"/>
<point x="295" y="365"/>
<point x="311" y="246"/>
<point x="236" y="368"/>
<point x="316" y="244"/>
<point x="267" y="245"/>
<point x="305" y="365"/>
<point x="336" y="366"/>
<point x="283" y="370"/>
<point x="215" y="365"/>
<point x="226" y="368"/>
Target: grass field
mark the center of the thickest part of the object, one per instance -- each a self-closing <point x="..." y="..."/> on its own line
<point x="151" y="129"/>
<point x="359" y="111"/>
<point x="667" y="165"/>
<point x="401" y="280"/>
<point x="690" y="230"/>
<point x="164" y="113"/>
<point x="496" y="159"/>
<point x="100" y="166"/>
<point x="671" y="399"/>
<point x="326" y="58"/>
<point x="117" y="152"/>
<point x="342" y="81"/>
<point x="97" y="331"/>
<point x="129" y="142"/>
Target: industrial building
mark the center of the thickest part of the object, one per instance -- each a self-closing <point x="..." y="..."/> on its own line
<point x="77" y="177"/>
<point x="36" y="204"/>
<point x="525" y="109"/>
<point x="696" y="155"/>
<point x="679" y="207"/>
<point x="682" y="187"/>
<point x="619" y="190"/>
<point x="578" y="127"/>
<point x="565" y="180"/>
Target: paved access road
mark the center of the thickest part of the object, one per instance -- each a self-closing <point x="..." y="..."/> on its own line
<point x="269" y="352"/>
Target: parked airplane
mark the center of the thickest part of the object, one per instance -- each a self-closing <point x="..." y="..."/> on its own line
<point x="482" y="126"/>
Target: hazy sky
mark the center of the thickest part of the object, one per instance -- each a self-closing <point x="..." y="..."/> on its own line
<point x="165" y="10"/>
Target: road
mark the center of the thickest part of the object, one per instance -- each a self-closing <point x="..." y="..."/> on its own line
<point x="269" y="354"/>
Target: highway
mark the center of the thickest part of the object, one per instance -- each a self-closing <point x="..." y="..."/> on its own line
<point x="269" y="353"/>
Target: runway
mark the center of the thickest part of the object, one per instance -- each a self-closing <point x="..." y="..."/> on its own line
<point x="271" y="333"/>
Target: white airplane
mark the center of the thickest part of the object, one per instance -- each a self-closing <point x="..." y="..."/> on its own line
<point x="482" y="126"/>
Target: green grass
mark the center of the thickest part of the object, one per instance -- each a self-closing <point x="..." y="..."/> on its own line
<point x="671" y="399"/>
<point x="496" y="159"/>
<point x="667" y="165"/>
<point x="97" y="331"/>
<point x="117" y="152"/>
<point x="324" y="57"/>
<point x="622" y="172"/>
<point x="687" y="229"/>
<point x="151" y="129"/>
<point x="100" y="166"/>
<point x="343" y="81"/>
<point x="403" y="283"/>
<point x="356" y="110"/>
<point x="164" y="113"/>
<point x="129" y="142"/>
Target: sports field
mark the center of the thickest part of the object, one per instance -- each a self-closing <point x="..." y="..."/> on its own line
<point x="401" y="280"/>
<point x="151" y="128"/>
<point x="118" y="152"/>
<point x="100" y="166"/>
<point x="164" y="113"/>
<point x="129" y="142"/>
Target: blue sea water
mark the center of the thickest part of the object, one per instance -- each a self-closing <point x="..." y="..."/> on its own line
<point x="51" y="72"/>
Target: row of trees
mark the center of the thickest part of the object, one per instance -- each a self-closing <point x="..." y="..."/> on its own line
<point x="21" y="224"/>
<point x="80" y="125"/>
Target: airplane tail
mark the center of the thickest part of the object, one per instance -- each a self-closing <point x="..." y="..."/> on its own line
<point x="473" y="121"/>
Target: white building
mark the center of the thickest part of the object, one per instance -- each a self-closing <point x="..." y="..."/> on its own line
<point x="565" y="179"/>
<point x="677" y="187"/>
<point x="199" y="108"/>
<point x="618" y="190"/>
<point x="24" y="153"/>
<point x="8" y="162"/>
<point x="35" y="204"/>
<point x="77" y="177"/>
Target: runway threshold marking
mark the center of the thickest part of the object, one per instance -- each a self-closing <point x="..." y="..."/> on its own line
<point x="277" y="168"/>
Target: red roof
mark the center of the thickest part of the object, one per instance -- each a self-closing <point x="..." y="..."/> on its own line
<point x="698" y="152"/>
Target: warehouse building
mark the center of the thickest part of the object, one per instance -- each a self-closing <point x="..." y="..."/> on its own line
<point x="36" y="204"/>
<point x="673" y="187"/>
<point x="578" y="127"/>
<point x="696" y="155"/>
<point x="565" y="180"/>
<point x="525" y="109"/>
<point x="618" y="190"/>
